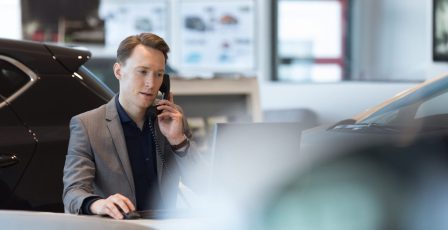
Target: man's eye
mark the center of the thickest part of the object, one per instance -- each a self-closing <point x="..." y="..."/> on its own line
<point x="160" y="75"/>
<point x="144" y="72"/>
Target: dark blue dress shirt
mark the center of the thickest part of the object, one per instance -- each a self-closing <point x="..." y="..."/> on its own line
<point x="142" y="155"/>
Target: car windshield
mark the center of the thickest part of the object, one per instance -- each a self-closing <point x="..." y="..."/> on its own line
<point x="425" y="107"/>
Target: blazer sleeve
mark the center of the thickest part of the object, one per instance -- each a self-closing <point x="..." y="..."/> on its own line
<point x="79" y="168"/>
<point x="194" y="167"/>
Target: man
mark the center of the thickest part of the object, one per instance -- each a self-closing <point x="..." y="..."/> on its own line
<point x="129" y="154"/>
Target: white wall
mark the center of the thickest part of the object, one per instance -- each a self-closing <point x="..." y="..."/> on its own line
<point x="392" y="40"/>
<point x="331" y="102"/>
<point x="10" y="19"/>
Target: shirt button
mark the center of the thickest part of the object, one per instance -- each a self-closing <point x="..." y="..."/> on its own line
<point x="146" y="159"/>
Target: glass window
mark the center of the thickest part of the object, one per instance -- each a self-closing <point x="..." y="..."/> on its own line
<point x="310" y="40"/>
<point x="11" y="78"/>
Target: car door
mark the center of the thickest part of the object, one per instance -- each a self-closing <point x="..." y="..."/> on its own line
<point x="17" y="142"/>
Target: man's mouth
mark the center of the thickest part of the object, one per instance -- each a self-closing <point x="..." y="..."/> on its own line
<point x="146" y="94"/>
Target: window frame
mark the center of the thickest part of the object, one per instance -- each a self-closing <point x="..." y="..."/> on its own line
<point x="342" y="61"/>
<point x="33" y="78"/>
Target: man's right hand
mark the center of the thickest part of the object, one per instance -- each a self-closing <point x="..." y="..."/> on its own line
<point x="110" y="206"/>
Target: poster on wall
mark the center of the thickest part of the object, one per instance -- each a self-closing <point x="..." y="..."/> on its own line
<point x="440" y="30"/>
<point x="218" y="36"/>
<point x="134" y="17"/>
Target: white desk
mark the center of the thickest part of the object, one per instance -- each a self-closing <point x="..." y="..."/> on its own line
<point x="25" y="220"/>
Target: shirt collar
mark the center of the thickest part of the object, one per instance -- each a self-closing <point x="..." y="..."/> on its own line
<point x="124" y="117"/>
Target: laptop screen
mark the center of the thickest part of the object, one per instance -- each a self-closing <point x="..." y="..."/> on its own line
<point x="247" y="157"/>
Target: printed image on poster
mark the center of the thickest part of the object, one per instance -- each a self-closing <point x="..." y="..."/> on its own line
<point x="134" y="17"/>
<point x="218" y="35"/>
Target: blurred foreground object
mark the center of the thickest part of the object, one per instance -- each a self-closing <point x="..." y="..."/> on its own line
<point x="383" y="186"/>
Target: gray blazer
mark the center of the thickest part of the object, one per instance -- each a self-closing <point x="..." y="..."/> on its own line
<point x="97" y="162"/>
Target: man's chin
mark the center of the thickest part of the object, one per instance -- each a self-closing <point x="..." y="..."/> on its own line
<point x="147" y="104"/>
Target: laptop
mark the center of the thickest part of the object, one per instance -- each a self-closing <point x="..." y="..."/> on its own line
<point x="248" y="158"/>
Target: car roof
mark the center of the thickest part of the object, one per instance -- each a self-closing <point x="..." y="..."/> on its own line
<point x="44" y="58"/>
<point x="424" y="88"/>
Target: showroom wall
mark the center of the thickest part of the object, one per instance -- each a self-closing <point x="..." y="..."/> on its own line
<point x="392" y="40"/>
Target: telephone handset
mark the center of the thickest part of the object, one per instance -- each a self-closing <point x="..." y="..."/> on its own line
<point x="165" y="87"/>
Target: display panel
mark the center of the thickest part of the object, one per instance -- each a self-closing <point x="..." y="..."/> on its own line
<point x="217" y="36"/>
<point x="133" y="17"/>
<point x="440" y="30"/>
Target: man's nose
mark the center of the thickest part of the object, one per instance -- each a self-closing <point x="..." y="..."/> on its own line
<point x="149" y="80"/>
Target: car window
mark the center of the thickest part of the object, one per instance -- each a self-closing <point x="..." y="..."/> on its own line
<point x="11" y="78"/>
<point x="423" y="104"/>
<point x="383" y="118"/>
<point x="433" y="106"/>
<point x="103" y="69"/>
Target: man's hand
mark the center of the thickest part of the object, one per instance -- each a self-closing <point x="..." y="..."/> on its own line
<point x="110" y="206"/>
<point x="171" y="120"/>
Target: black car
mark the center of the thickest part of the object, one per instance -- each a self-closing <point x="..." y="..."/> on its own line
<point x="41" y="87"/>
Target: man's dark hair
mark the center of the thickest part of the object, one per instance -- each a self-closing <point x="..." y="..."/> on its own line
<point x="147" y="39"/>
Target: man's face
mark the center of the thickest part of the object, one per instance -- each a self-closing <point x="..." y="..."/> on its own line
<point x="140" y="77"/>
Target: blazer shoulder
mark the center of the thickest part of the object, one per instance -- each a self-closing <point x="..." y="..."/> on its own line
<point x="94" y="113"/>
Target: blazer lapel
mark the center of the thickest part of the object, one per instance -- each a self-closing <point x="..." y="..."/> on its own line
<point x="117" y="135"/>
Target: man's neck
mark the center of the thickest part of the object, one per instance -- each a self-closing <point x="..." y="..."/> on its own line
<point x="135" y="113"/>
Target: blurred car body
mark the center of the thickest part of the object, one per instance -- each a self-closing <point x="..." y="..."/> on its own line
<point x="403" y="119"/>
<point x="382" y="186"/>
<point x="41" y="87"/>
<point x="385" y="168"/>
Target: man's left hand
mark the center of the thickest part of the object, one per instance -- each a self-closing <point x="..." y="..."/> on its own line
<point x="170" y="120"/>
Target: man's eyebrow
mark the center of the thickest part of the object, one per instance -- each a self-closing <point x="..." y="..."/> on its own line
<point x="147" y="67"/>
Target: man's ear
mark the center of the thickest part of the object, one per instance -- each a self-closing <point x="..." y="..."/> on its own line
<point x="117" y="70"/>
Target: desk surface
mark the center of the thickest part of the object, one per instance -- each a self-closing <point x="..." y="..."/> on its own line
<point x="169" y="224"/>
<point x="21" y="220"/>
